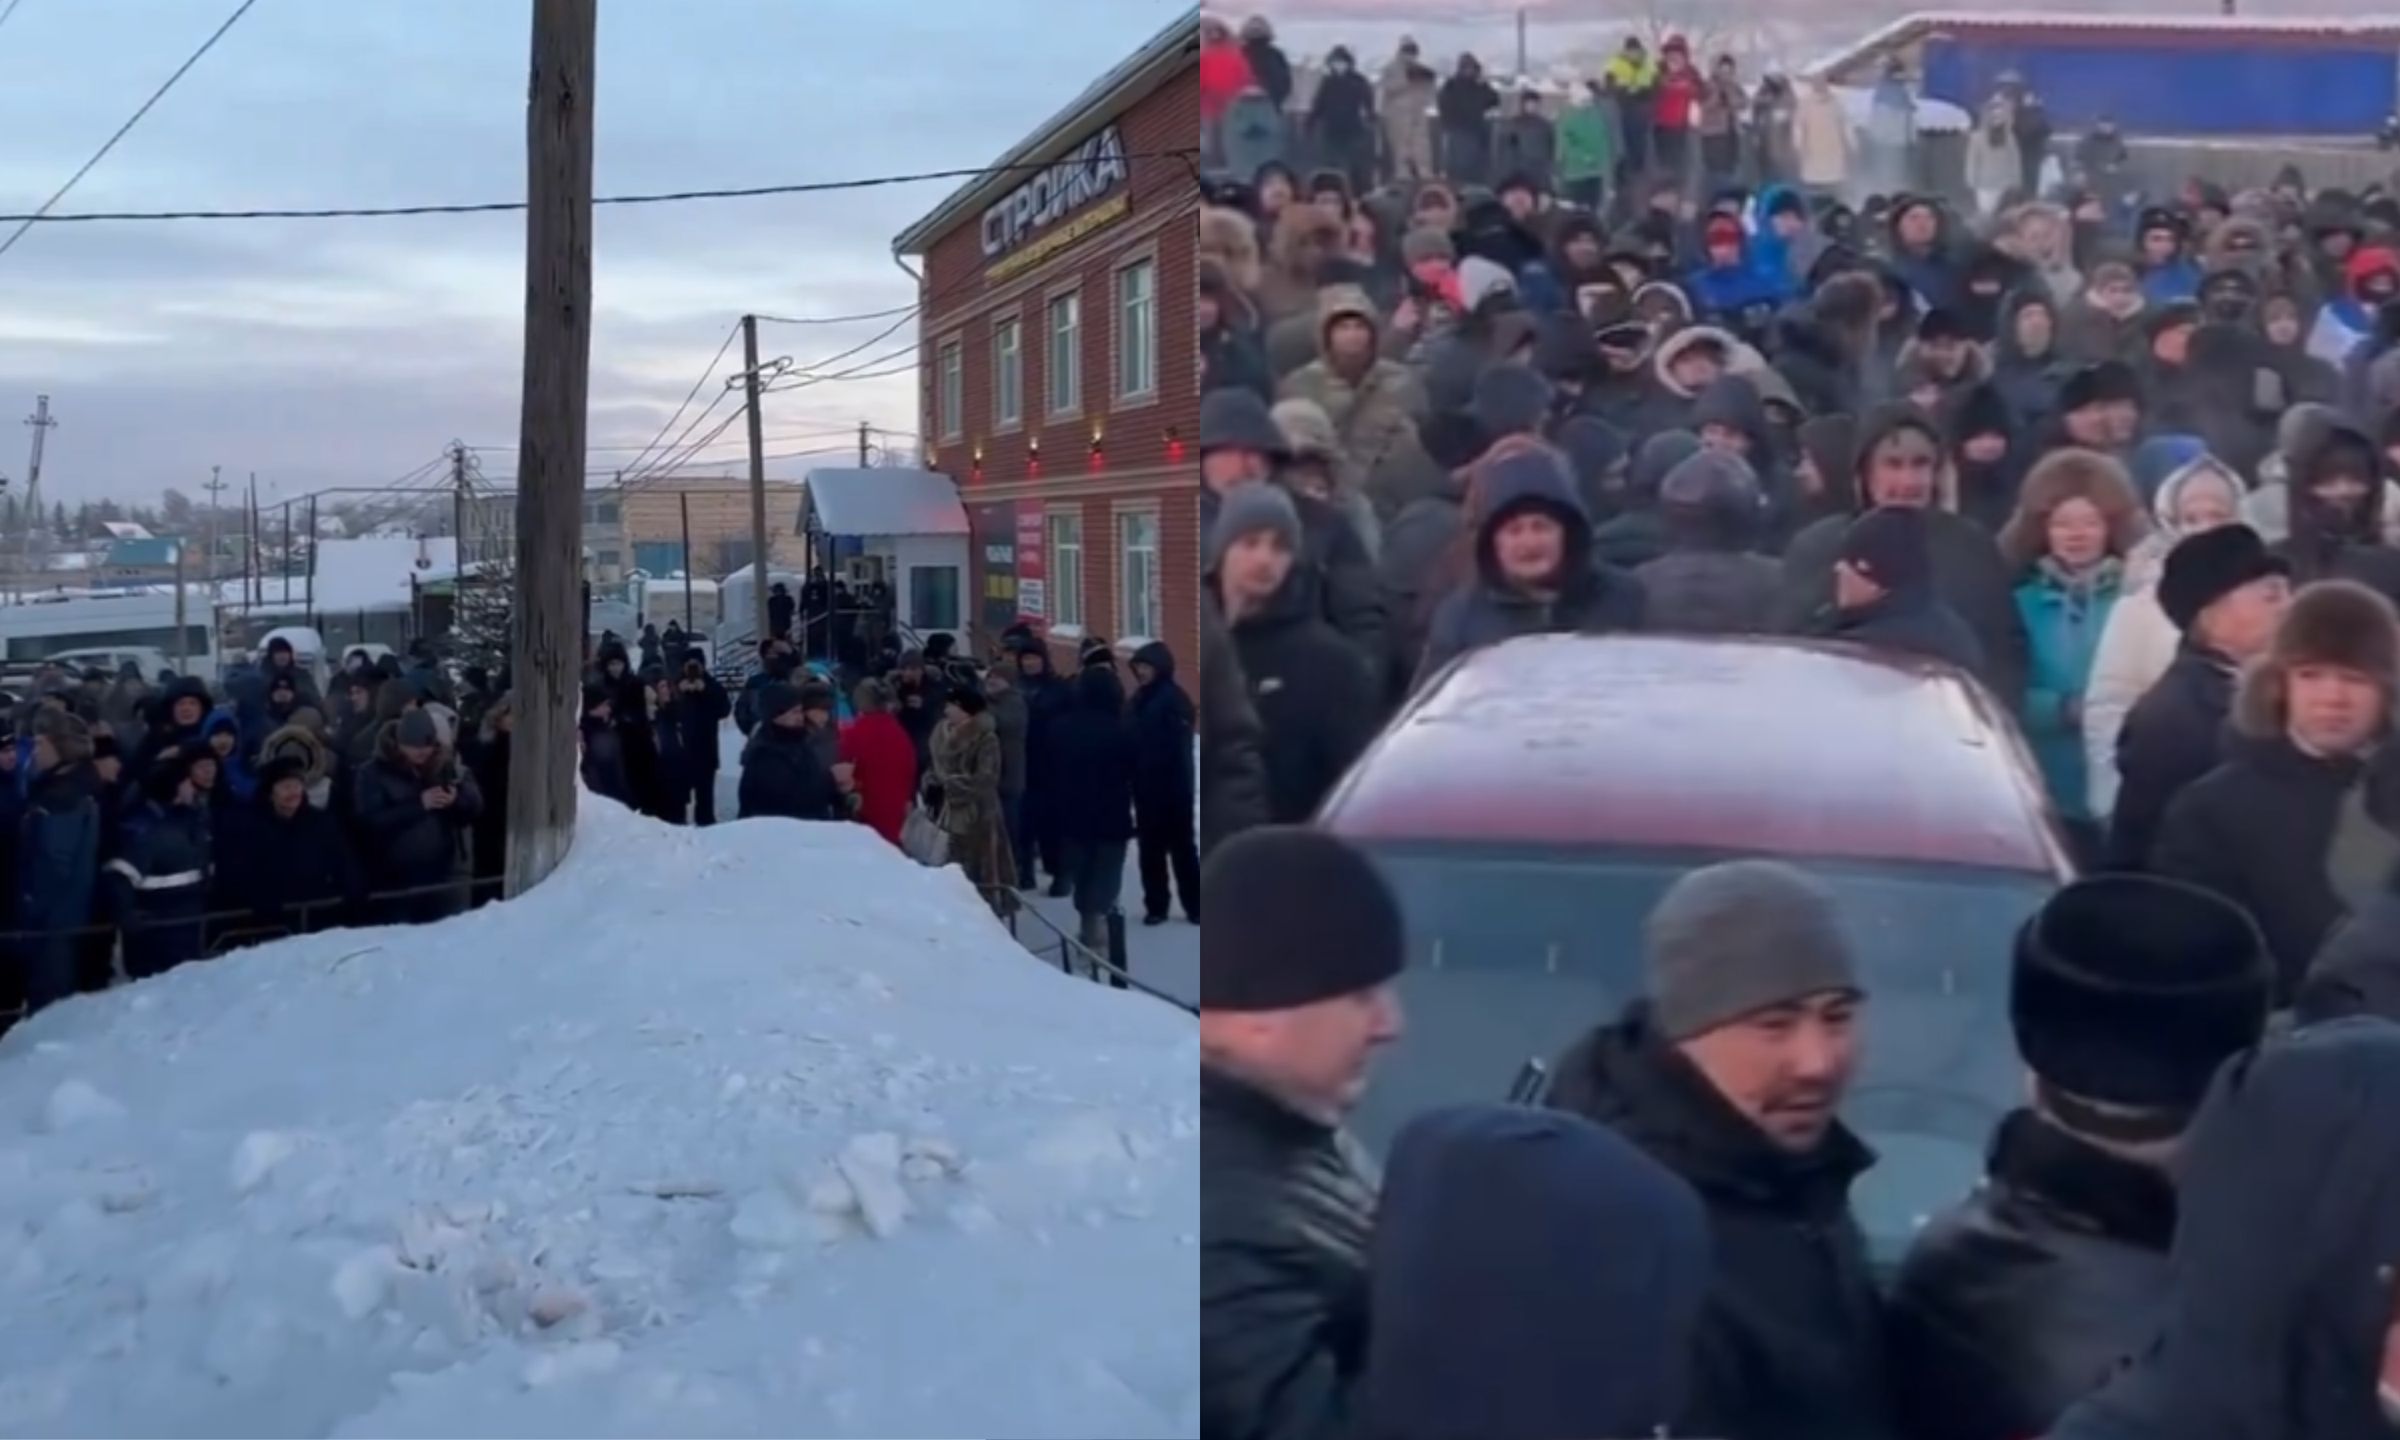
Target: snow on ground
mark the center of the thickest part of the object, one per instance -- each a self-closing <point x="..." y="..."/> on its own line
<point x="755" y="1130"/>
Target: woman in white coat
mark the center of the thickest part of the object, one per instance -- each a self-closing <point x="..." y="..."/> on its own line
<point x="2139" y="641"/>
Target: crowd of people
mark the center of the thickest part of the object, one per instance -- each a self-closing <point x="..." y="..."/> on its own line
<point x="2130" y="466"/>
<point x="150" y="821"/>
<point x="1024" y="772"/>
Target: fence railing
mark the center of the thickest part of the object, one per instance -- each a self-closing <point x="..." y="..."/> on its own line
<point x="1070" y="954"/>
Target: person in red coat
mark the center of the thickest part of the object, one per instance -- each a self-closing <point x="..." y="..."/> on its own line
<point x="1224" y="71"/>
<point x="882" y="761"/>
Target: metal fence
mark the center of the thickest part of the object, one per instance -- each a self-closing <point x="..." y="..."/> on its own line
<point x="1070" y="954"/>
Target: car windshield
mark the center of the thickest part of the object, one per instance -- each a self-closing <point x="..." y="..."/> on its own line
<point x="1514" y="955"/>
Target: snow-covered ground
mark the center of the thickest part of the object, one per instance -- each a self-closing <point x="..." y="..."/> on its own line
<point x="755" y="1130"/>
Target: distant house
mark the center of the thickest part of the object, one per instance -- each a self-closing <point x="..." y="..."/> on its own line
<point x="139" y="560"/>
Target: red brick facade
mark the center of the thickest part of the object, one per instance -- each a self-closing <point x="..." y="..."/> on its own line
<point x="1103" y="457"/>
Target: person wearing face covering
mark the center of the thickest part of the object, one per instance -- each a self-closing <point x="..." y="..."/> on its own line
<point x="1532" y="1276"/>
<point x="2371" y="276"/>
<point x="2335" y="496"/>
<point x="2283" y="1318"/>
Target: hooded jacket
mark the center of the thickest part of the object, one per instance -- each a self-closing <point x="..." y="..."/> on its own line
<point x="1162" y="737"/>
<point x="2280" y="1293"/>
<point x="2139" y="642"/>
<point x="1708" y="582"/>
<point x="1987" y="492"/>
<point x="2322" y="546"/>
<point x="1970" y="577"/>
<point x="2030" y="383"/>
<point x="1500" y="1278"/>
<point x="1790" y="1339"/>
<point x="1638" y="535"/>
<point x="1374" y="413"/>
<point x="1585" y="597"/>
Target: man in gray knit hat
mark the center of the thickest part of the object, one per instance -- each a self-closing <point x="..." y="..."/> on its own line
<point x="1730" y="1072"/>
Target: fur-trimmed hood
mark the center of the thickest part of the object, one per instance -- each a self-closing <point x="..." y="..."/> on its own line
<point x="2333" y="622"/>
<point x="1741" y="358"/>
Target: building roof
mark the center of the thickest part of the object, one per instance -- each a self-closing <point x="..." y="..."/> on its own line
<point x="883" y="502"/>
<point x="352" y="575"/>
<point x="1909" y="29"/>
<point x="1775" y="747"/>
<point x="1134" y="78"/>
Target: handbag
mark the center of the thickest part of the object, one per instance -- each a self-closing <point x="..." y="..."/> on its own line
<point x="923" y="839"/>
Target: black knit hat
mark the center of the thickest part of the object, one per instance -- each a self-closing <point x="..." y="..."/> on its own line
<point x="2130" y="990"/>
<point x="283" y="767"/>
<point x="1890" y="546"/>
<point x="968" y="699"/>
<point x="2101" y="384"/>
<point x="1297" y="917"/>
<point x="2204" y="568"/>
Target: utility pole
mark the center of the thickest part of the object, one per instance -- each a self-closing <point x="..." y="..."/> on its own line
<point x="252" y="570"/>
<point x="1523" y="64"/>
<point x="683" y="502"/>
<point x="547" y="635"/>
<point x="758" y="478"/>
<point x="214" y="487"/>
<point x="866" y="443"/>
<point x="458" y="508"/>
<point x="42" y="426"/>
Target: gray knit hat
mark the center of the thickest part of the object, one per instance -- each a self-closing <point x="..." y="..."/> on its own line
<point x="1734" y="939"/>
<point x="1246" y="509"/>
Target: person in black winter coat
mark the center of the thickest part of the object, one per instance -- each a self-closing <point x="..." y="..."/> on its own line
<point x="284" y="863"/>
<point x="1710" y="582"/>
<point x="918" y="695"/>
<point x="1742" y="958"/>
<point x="1534" y="571"/>
<point x="2335" y="500"/>
<point x="1288" y="1023"/>
<point x="1884" y="595"/>
<point x="778" y="664"/>
<point x="489" y="759"/>
<point x="1341" y="120"/>
<point x="781" y="772"/>
<point x="2226" y="595"/>
<point x="699" y="705"/>
<point x="158" y="881"/>
<point x="57" y="857"/>
<point x="414" y="805"/>
<point x="1233" y="772"/>
<point x="1637" y="534"/>
<point x="1899" y="464"/>
<point x="175" y="722"/>
<point x="629" y="711"/>
<point x="1163" y="795"/>
<point x="2279" y="1320"/>
<point x="2286" y="827"/>
<point x="1314" y="695"/>
<point x="1985" y="454"/>
<point x="1047" y="700"/>
<point x="1500" y="1270"/>
<point x="1095" y="797"/>
<point x="603" y="762"/>
<point x="779" y="611"/>
<point x="2128" y="993"/>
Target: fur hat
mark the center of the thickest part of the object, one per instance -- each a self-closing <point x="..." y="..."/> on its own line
<point x="2131" y="990"/>
<point x="2072" y="474"/>
<point x="2204" y="568"/>
<point x="2337" y="623"/>
<point x="299" y="744"/>
<point x="68" y="735"/>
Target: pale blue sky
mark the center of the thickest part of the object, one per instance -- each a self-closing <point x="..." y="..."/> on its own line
<point x="347" y="352"/>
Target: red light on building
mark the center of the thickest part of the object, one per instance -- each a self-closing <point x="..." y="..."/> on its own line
<point x="1174" y="447"/>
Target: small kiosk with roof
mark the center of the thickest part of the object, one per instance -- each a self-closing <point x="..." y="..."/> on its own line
<point x="903" y="527"/>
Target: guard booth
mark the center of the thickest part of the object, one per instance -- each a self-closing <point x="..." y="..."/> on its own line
<point x="905" y="527"/>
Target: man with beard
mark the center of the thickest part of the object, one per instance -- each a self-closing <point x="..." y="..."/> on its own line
<point x="1729" y="1072"/>
<point x="2128" y="992"/>
<point x="1297" y="991"/>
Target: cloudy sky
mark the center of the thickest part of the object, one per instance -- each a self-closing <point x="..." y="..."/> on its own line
<point x="348" y="352"/>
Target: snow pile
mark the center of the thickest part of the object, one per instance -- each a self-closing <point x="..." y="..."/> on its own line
<point x="759" y="1130"/>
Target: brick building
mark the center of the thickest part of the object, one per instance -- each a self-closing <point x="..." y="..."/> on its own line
<point x="1061" y="372"/>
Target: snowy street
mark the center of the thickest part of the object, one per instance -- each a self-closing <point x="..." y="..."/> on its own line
<point x="755" y="1130"/>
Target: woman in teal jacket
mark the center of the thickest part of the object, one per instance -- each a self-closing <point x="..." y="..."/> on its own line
<point x="2076" y="518"/>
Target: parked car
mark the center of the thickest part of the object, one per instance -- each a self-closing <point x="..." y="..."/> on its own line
<point x="1531" y="806"/>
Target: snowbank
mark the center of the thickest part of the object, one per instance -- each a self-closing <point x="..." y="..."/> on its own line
<point x="745" y="1131"/>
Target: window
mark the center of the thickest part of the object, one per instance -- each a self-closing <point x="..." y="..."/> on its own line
<point x="608" y="559"/>
<point x="1137" y="575"/>
<point x="933" y="597"/>
<point x="608" y="512"/>
<point x="1066" y="355"/>
<point x="950" y="394"/>
<point x="1066" y="571"/>
<point x="1008" y="372"/>
<point x="1137" y="330"/>
<point x="597" y="512"/>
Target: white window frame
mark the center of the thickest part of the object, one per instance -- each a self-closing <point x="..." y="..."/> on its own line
<point x="1137" y="331"/>
<point x="1067" y="403"/>
<point x="1139" y="617"/>
<point x="950" y="390"/>
<point x="1008" y="373"/>
<point x="1066" y="600"/>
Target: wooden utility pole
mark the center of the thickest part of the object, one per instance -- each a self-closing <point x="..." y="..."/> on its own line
<point x="758" y="476"/>
<point x="866" y="444"/>
<point x="683" y="503"/>
<point x="546" y="640"/>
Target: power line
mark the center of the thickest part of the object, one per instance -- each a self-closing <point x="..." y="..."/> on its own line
<point x="498" y="207"/>
<point x="835" y="319"/>
<point x="27" y="222"/>
<point x="11" y="10"/>
<point x="706" y="371"/>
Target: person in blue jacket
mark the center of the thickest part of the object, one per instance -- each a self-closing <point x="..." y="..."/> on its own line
<point x="1733" y="286"/>
<point x="2169" y="273"/>
<point x="2077" y="516"/>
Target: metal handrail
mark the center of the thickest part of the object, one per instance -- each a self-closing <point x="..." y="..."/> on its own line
<point x="1100" y="970"/>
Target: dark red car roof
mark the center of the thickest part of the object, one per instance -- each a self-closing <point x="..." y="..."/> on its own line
<point x="1767" y="746"/>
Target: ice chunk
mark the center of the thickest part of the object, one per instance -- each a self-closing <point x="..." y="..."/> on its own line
<point x="76" y="1103"/>
<point x="768" y="1220"/>
<point x="588" y="1360"/>
<point x="871" y="1163"/>
<point x="256" y="1158"/>
<point x="364" y="1281"/>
